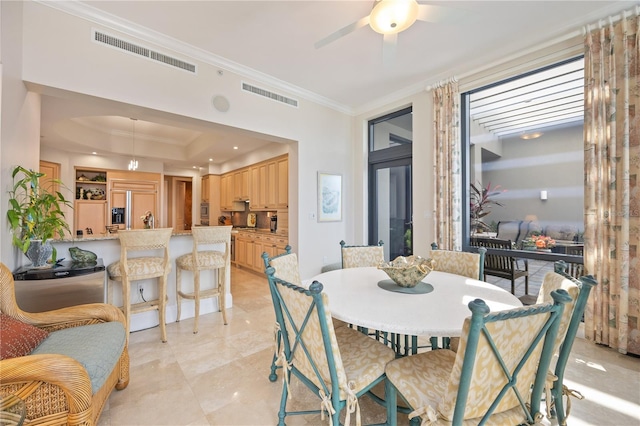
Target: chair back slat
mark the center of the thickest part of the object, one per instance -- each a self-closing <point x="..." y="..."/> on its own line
<point x="501" y="355"/>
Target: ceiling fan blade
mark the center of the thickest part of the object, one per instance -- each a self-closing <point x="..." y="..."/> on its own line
<point x="436" y="14"/>
<point x="343" y="32"/>
<point x="389" y="48"/>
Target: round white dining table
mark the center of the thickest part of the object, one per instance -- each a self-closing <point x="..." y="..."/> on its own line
<point x="356" y="298"/>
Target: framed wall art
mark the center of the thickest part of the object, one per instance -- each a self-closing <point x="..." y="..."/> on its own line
<point x="329" y="197"/>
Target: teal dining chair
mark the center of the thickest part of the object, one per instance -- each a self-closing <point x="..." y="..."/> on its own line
<point x="513" y="348"/>
<point x="338" y="365"/>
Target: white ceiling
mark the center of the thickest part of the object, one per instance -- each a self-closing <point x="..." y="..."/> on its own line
<point x="276" y="39"/>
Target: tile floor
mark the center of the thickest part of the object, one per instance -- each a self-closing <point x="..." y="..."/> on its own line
<point x="220" y="375"/>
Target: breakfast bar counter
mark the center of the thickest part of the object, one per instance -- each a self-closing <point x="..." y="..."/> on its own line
<point x="107" y="247"/>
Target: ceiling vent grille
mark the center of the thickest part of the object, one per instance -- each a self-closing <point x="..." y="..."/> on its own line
<point x="267" y="94"/>
<point x="118" y="43"/>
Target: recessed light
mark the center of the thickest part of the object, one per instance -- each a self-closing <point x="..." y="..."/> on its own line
<point x="534" y="135"/>
<point x="195" y="167"/>
<point x="235" y="147"/>
<point x="94" y="153"/>
<point x="210" y="159"/>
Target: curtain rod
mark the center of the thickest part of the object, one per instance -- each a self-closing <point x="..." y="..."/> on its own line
<point x="610" y="20"/>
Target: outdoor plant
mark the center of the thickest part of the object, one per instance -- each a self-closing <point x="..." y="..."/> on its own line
<point x="34" y="213"/>
<point x="481" y="200"/>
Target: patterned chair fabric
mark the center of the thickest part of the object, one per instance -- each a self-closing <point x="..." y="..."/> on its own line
<point x="133" y="268"/>
<point x="202" y="260"/>
<point x="361" y="256"/>
<point x="471" y="386"/>
<point x="459" y="262"/>
<point x="339" y="365"/>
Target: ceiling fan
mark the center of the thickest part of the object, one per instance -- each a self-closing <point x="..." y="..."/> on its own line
<point x="390" y="17"/>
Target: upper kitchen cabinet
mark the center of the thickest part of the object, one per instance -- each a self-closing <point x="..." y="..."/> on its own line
<point x="205" y="188"/>
<point x="241" y="184"/>
<point x="90" y="208"/>
<point x="270" y="185"/>
<point x="91" y="184"/>
<point x="226" y="192"/>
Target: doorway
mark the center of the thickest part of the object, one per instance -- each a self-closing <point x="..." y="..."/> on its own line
<point x="178" y="204"/>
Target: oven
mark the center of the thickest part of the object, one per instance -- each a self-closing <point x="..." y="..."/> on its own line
<point x="204" y="212"/>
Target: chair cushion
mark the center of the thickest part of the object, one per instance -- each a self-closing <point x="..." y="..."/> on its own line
<point x="209" y="259"/>
<point x="286" y="268"/>
<point x="363" y="358"/>
<point x="144" y="267"/>
<point x="97" y="347"/>
<point x="18" y="338"/>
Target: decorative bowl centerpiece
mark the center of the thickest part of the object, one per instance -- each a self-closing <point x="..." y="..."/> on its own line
<point x="407" y="271"/>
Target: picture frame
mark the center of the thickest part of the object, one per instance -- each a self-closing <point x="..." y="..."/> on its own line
<point x="329" y="197"/>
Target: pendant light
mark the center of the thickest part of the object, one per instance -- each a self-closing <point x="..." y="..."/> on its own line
<point x="133" y="164"/>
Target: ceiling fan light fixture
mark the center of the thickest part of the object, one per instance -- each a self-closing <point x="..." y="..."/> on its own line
<point x="393" y="16"/>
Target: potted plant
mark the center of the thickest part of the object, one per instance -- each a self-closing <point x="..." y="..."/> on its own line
<point x="35" y="215"/>
<point x="481" y="199"/>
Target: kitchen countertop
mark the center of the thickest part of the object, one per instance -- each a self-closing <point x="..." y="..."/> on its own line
<point x="101" y="237"/>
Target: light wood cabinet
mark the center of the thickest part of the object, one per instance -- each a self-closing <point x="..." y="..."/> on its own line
<point x="241" y="185"/>
<point x="250" y="246"/>
<point x="270" y="185"/>
<point x="90" y="214"/>
<point x="282" y="188"/>
<point x="226" y="191"/>
<point x="205" y="187"/>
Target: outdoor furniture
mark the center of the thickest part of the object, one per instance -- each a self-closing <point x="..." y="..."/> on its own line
<point x="337" y="365"/>
<point x="129" y="269"/>
<point x="512" y="348"/>
<point x="63" y="364"/>
<point x="217" y="261"/>
<point x="502" y="265"/>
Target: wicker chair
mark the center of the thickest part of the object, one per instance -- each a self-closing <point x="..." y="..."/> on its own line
<point x="337" y="365"/>
<point x="197" y="261"/>
<point x="57" y="389"/>
<point x="129" y="269"/>
<point x="513" y="348"/>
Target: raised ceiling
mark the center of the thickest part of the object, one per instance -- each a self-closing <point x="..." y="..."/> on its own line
<point x="274" y="41"/>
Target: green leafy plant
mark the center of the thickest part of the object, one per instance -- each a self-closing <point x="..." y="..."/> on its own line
<point x="481" y="200"/>
<point x="34" y="213"/>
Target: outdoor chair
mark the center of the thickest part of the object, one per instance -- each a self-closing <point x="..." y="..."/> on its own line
<point x="337" y="365"/>
<point x="217" y="261"/>
<point x="502" y="265"/>
<point x="498" y="374"/>
<point x="361" y="256"/>
<point x="129" y="269"/>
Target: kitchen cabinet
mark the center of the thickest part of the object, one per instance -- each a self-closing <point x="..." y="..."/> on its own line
<point x="90" y="214"/>
<point x="91" y="184"/>
<point x="251" y="244"/>
<point x="282" y="187"/>
<point x="226" y="191"/>
<point x="205" y="187"/>
<point x="241" y="184"/>
<point x="270" y="185"/>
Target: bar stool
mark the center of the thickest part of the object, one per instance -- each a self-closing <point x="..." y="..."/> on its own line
<point x="211" y="259"/>
<point x="129" y="269"/>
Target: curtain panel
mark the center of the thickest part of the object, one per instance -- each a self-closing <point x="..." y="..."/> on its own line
<point x="612" y="182"/>
<point x="447" y="167"/>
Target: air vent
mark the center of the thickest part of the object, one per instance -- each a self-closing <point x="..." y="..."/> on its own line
<point x="267" y="94"/>
<point x="135" y="49"/>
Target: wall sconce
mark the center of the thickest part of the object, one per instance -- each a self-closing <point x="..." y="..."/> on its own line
<point x="543" y="195"/>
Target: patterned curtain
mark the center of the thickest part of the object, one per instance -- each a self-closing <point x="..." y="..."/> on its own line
<point x="447" y="167"/>
<point x="612" y="183"/>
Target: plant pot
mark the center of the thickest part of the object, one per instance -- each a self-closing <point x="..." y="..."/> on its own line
<point x="38" y="252"/>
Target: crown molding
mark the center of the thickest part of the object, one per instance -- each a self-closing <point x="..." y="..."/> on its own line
<point x="84" y="11"/>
